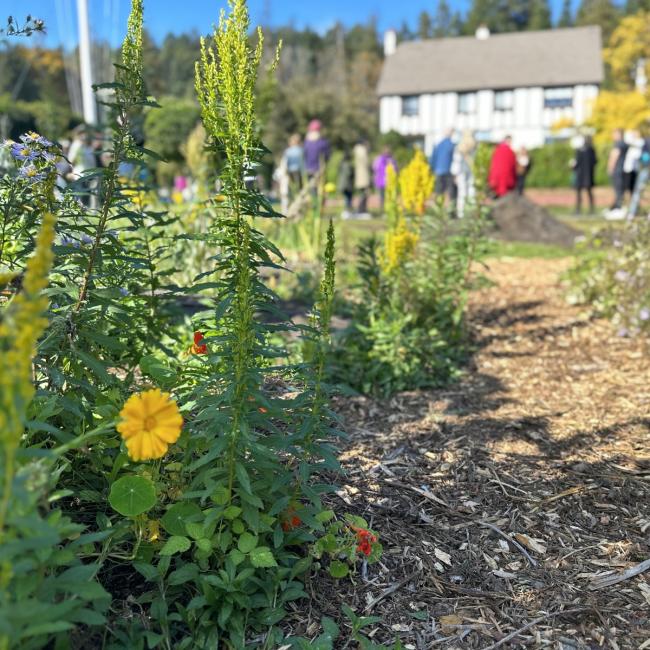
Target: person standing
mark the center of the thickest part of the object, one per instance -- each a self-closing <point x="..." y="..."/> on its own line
<point x="440" y="161"/>
<point x="316" y="150"/>
<point x="584" y="171"/>
<point x="346" y="183"/>
<point x="294" y="161"/>
<point x="615" y="164"/>
<point x="502" y="177"/>
<point x="361" y="158"/>
<point x="523" y="167"/>
<point x="462" y="168"/>
<point x="379" y="168"/>
<point x="632" y="162"/>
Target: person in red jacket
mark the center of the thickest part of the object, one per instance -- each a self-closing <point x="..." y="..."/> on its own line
<point x="503" y="168"/>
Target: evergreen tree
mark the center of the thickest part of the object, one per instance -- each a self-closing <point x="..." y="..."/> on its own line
<point x="634" y="6"/>
<point x="425" y="25"/>
<point x="539" y="15"/>
<point x="442" y="20"/>
<point x="404" y="33"/>
<point x="566" y="17"/>
<point x="599" y="12"/>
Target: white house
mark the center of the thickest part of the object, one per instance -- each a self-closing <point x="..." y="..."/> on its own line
<point x="519" y="84"/>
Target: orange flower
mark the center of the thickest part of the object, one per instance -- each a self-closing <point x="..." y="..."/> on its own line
<point x="365" y="540"/>
<point x="198" y="347"/>
<point x="291" y="520"/>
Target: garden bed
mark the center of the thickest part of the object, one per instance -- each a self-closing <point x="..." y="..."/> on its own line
<point x="545" y="440"/>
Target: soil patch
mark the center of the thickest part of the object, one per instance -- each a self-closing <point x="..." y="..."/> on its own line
<point x="518" y="219"/>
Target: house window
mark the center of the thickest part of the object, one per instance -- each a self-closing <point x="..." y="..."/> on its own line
<point x="504" y="100"/>
<point x="411" y="105"/>
<point x="466" y="103"/>
<point x="558" y="97"/>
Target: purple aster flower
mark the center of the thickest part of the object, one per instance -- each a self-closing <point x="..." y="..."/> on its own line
<point x="86" y="239"/>
<point x="44" y="142"/>
<point x="124" y="291"/>
<point x="621" y="276"/>
<point x="30" y="173"/>
<point x="644" y="314"/>
<point x="623" y="332"/>
<point x="22" y="152"/>
<point x="30" y="137"/>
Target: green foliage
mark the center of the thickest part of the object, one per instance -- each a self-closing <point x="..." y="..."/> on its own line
<point x="613" y="277"/>
<point x="552" y="165"/>
<point x="166" y="132"/>
<point x="408" y="329"/>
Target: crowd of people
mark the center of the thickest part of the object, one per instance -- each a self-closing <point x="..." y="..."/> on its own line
<point x="452" y="163"/>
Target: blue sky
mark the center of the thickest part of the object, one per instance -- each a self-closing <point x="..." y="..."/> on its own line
<point x="108" y="17"/>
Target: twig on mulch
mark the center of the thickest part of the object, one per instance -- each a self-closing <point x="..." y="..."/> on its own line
<point x="515" y="543"/>
<point x="390" y="590"/>
<point x="537" y="621"/>
<point x="610" y="580"/>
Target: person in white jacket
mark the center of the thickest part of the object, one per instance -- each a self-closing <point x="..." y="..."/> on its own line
<point x="462" y="168"/>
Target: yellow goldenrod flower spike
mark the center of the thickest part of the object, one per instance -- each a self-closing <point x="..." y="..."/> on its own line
<point x="22" y="325"/>
<point x="416" y="184"/>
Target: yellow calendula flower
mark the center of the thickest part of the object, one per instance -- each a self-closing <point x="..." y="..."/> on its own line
<point x="150" y="423"/>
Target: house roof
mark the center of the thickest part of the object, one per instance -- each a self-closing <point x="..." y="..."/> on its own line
<point x="558" y="57"/>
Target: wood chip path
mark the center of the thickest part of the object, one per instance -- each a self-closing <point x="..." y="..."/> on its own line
<point x="505" y="502"/>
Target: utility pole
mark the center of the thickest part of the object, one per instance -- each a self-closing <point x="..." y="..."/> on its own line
<point x="85" y="64"/>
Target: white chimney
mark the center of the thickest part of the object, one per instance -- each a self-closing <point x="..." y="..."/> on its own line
<point x="482" y="32"/>
<point x="640" y="77"/>
<point x="390" y="42"/>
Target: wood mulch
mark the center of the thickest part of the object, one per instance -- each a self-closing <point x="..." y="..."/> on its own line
<point x="502" y="500"/>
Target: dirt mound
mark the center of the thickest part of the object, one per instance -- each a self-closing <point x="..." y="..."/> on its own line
<point x="518" y="219"/>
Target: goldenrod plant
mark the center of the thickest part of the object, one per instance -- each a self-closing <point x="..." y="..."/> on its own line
<point x="408" y="330"/>
<point x="416" y="184"/>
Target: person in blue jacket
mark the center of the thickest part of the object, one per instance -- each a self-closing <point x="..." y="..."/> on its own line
<point x="440" y="161"/>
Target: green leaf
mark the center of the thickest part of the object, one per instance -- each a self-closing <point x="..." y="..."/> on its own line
<point x="238" y="527"/>
<point x="204" y="544"/>
<point x="174" y="520"/>
<point x="236" y="556"/>
<point x="324" y="516"/>
<point x="246" y="542"/>
<point x="221" y="495"/>
<point x="262" y="557"/>
<point x="132" y="495"/>
<point x="175" y="544"/>
<point x="232" y="512"/>
<point x="195" y="531"/>
<point x="339" y="569"/>
<point x="155" y="368"/>
<point x="242" y="477"/>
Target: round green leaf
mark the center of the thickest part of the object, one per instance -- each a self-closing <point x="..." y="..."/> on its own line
<point x="175" y="544"/>
<point x="132" y="495"/>
<point x="174" y="520"/>
<point x="262" y="557"/>
<point x="246" y="542"/>
<point x="338" y="569"/>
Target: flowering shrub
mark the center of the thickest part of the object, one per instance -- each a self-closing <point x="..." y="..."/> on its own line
<point x="613" y="276"/>
<point x="159" y="479"/>
<point x="408" y="329"/>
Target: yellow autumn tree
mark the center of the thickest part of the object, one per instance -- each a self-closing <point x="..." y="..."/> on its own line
<point x="619" y="110"/>
<point x="629" y="44"/>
